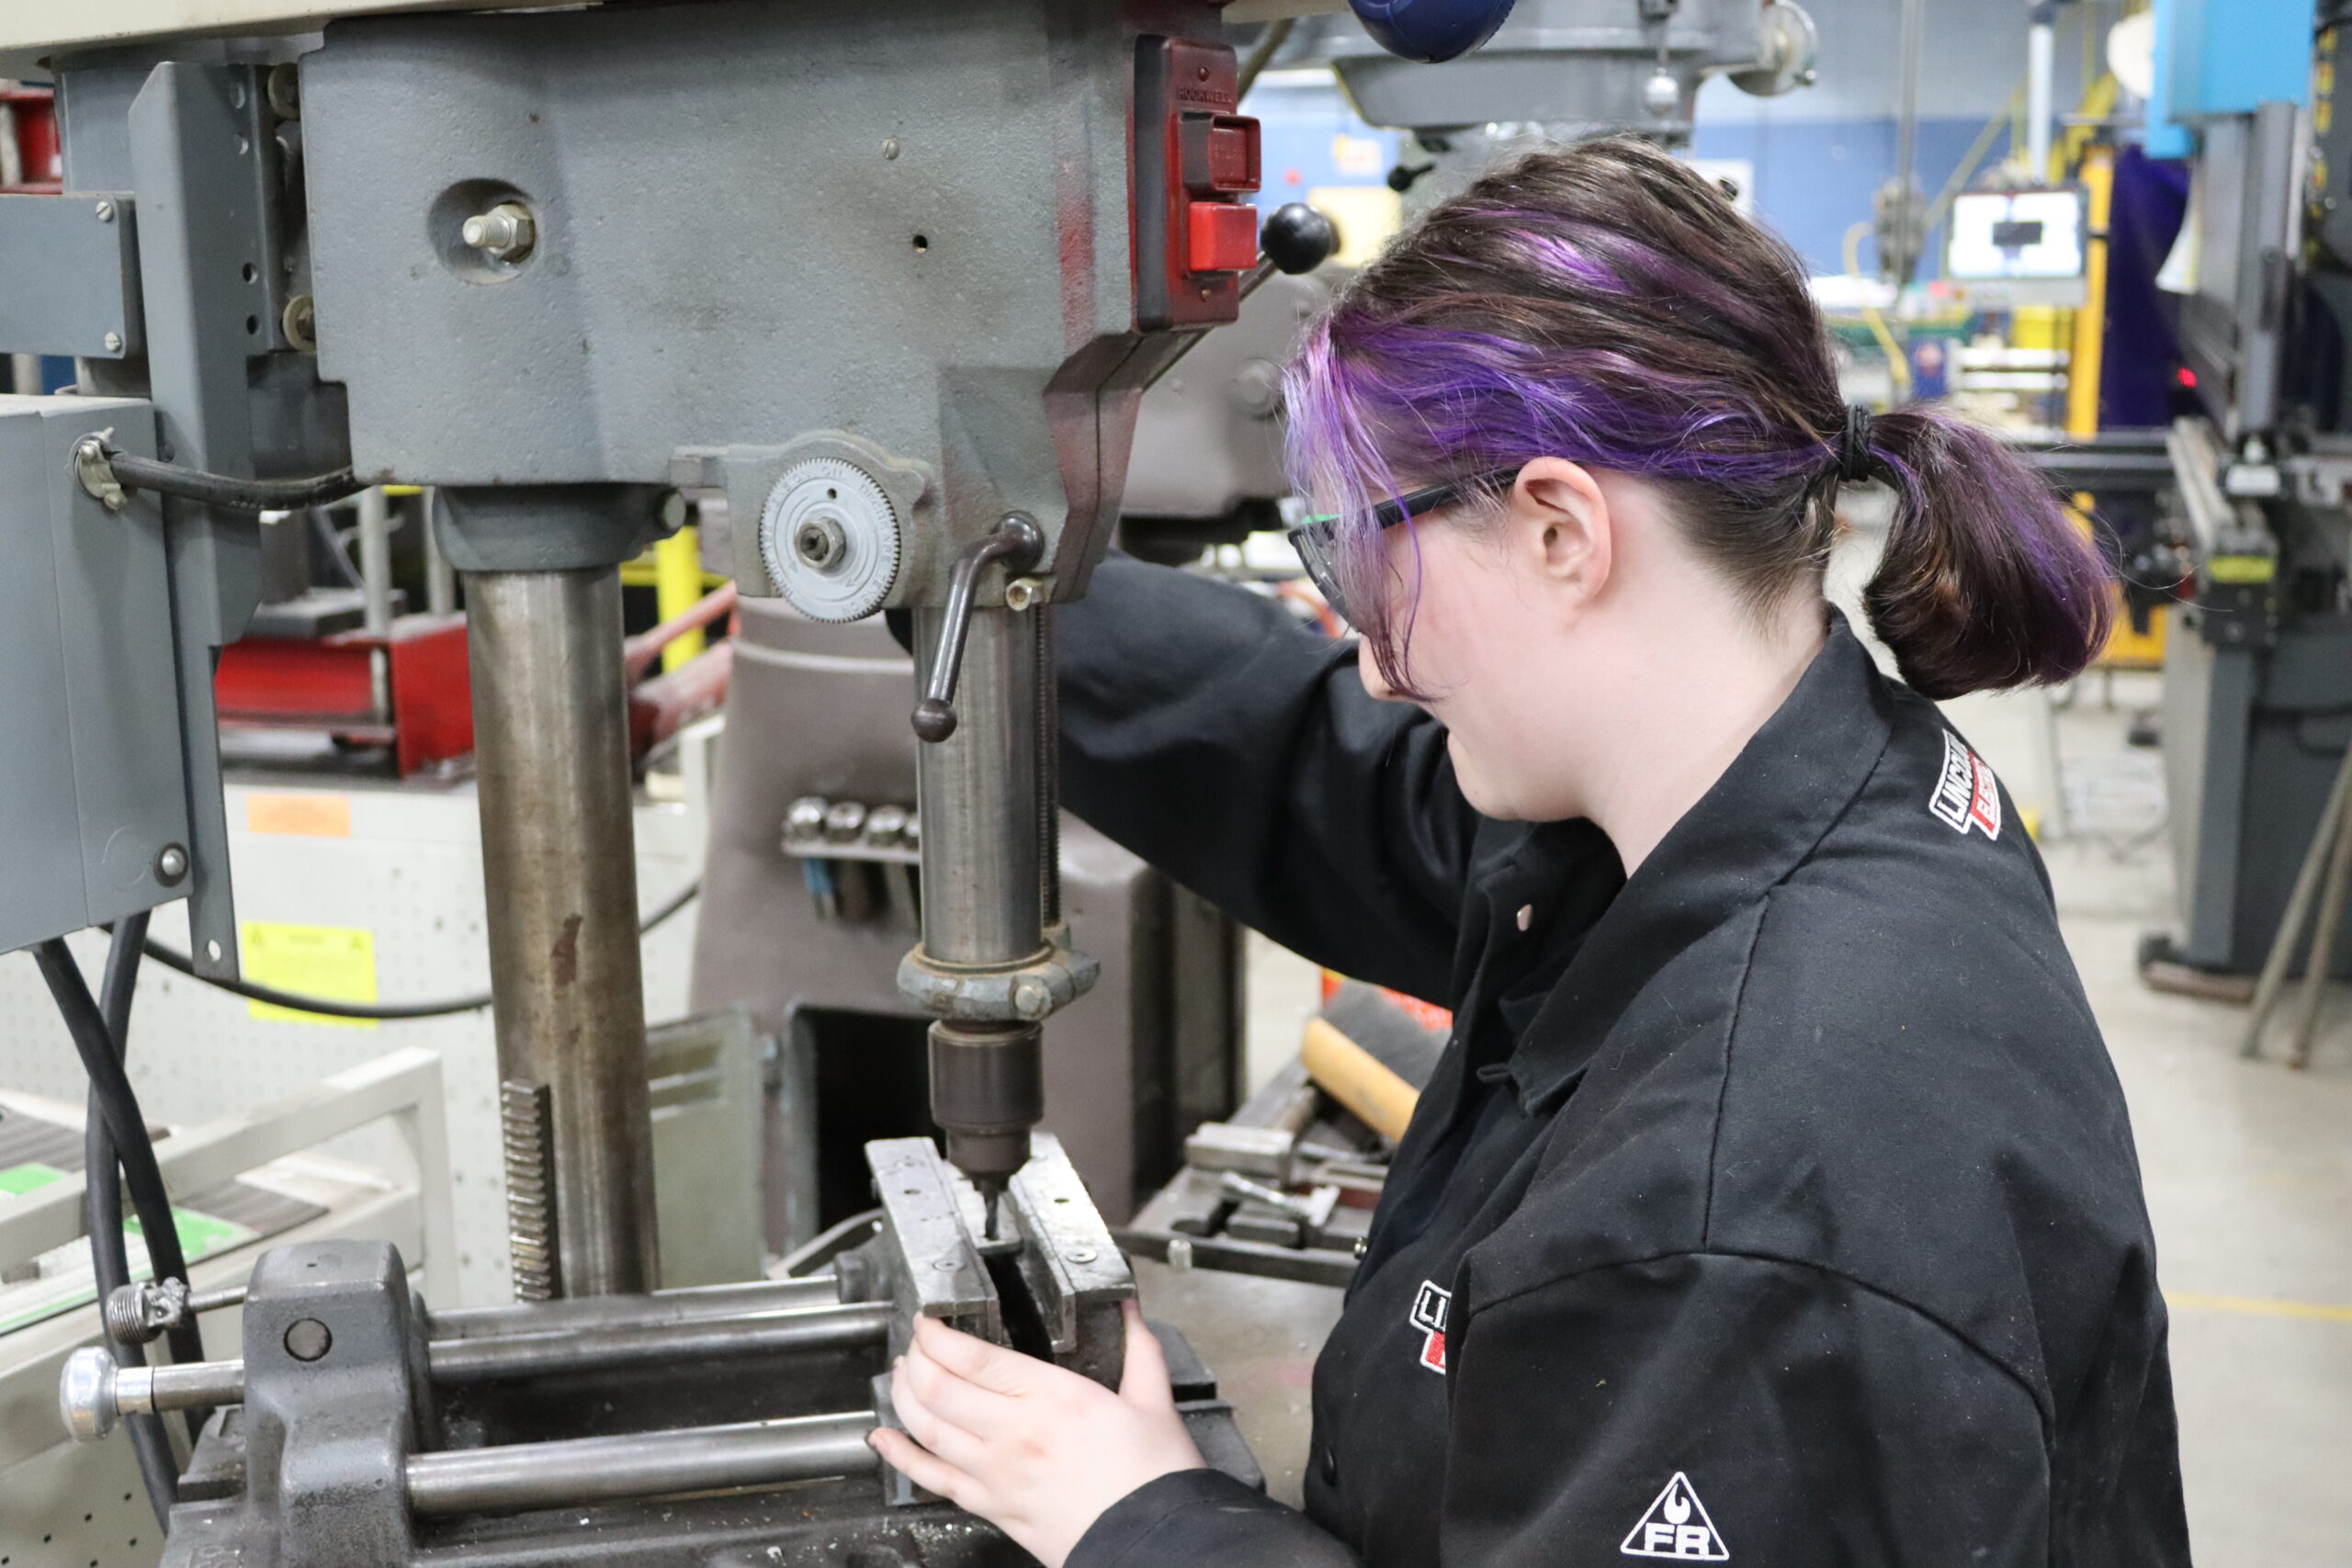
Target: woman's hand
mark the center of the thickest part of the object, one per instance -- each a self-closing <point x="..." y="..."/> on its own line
<point x="1035" y="1449"/>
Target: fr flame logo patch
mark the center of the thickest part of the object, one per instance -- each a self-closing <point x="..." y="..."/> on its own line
<point x="1676" y="1526"/>
<point x="1967" y="795"/>
<point x="1428" y="1315"/>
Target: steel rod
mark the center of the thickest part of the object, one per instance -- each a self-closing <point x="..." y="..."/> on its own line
<point x="112" y="1392"/>
<point x="694" y="1303"/>
<point x="509" y="1358"/>
<point x="186" y="1385"/>
<point x="522" y="1476"/>
<point x="560" y="867"/>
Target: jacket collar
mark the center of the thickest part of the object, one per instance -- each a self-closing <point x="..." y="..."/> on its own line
<point x="1758" y="824"/>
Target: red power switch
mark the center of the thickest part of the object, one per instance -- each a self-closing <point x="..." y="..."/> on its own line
<point x="1197" y="161"/>
<point x="1222" y="237"/>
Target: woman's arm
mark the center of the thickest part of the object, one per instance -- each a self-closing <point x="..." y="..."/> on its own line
<point x="1206" y="730"/>
<point x="1713" y="1407"/>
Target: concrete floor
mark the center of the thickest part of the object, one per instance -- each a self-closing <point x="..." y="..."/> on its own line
<point x="2248" y="1168"/>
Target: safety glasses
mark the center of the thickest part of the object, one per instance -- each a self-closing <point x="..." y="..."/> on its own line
<point x="1317" y="539"/>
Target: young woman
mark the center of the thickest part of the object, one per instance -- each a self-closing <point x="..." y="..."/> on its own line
<point x="1775" y="1202"/>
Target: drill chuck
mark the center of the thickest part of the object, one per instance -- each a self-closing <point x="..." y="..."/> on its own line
<point x="988" y="1089"/>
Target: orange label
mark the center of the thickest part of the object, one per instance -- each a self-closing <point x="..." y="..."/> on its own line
<point x="312" y="815"/>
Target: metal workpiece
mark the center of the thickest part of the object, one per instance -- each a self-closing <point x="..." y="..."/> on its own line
<point x="551" y="747"/>
<point x="1060" y="1250"/>
<point x="520" y="1477"/>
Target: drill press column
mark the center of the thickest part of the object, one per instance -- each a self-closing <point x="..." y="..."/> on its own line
<point x="560" y="874"/>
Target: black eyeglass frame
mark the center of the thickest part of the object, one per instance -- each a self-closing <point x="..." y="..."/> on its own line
<point x="1315" y="538"/>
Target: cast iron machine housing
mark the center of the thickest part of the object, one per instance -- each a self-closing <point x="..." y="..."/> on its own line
<point x="890" y="279"/>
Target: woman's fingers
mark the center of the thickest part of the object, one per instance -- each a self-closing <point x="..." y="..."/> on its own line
<point x="955" y="1399"/>
<point x="992" y="1367"/>
<point x="926" y="1469"/>
<point x="1143" y="1379"/>
<point x="935" y="1429"/>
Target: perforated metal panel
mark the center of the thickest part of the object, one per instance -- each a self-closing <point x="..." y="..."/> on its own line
<point x="410" y="872"/>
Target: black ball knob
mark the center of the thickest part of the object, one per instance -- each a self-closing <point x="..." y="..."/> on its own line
<point x="934" y="720"/>
<point x="1297" y="239"/>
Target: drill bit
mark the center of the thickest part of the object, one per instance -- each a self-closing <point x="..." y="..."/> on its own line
<point x="991" y="1190"/>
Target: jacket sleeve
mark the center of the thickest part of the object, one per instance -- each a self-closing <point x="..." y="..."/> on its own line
<point x="1204" y="1516"/>
<point x="1714" y="1407"/>
<point x="1207" y="731"/>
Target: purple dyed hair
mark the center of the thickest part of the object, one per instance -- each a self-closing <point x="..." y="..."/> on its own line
<point x="1605" y="303"/>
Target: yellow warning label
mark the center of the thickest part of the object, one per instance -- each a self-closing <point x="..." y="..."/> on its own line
<point x="312" y="815"/>
<point x="336" y="963"/>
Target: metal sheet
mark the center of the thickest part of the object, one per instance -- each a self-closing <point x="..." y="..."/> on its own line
<point x="93" y="789"/>
<point x="73" y="269"/>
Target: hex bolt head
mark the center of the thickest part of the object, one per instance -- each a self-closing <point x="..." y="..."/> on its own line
<point x="820" y="542"/>
<point x="1032" y="998"/>
<point x="506" y="233"/>
<point x="307" y="1340"/>
<point x="171" y="865"/>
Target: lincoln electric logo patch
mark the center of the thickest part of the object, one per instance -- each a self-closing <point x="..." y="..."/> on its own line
<point x="1429" y="1316"/>
<point x="1967" y="795"/>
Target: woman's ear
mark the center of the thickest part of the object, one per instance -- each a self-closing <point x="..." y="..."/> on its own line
<point x="1561" y="527"/>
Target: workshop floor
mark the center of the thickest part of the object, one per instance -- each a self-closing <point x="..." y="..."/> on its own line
<point x="2248" y="1168"/>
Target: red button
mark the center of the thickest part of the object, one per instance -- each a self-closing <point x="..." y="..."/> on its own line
<point x="1223" y="235"/>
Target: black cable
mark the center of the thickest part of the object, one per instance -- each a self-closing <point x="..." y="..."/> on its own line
<point x="118" y="983"/>
<point x="222" y="489"/>
<point x="102" y="1218"/>
<point x="387" y="1011"/>
<point x="119" y="1109"/>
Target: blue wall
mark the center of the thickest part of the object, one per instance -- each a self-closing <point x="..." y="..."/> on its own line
<point x="1814" y="178"/>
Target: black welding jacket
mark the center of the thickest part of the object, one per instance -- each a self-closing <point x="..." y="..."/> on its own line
<point x="1775" y="1206"/>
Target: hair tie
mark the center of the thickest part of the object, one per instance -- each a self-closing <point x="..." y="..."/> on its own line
<point x="1855" y="460"/>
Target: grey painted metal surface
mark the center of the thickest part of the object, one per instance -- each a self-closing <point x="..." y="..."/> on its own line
<point x="551" y="747"/>
<point x="192" y="160"/>
<point x="326" y="1436"/>
<point x="73" y="271"/>
<point x="93" y="791"/>
<point x="939" y="171"/>
<point x="1577" y="67"/>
